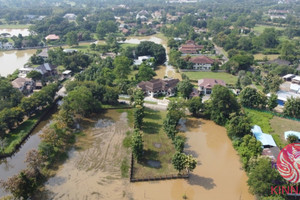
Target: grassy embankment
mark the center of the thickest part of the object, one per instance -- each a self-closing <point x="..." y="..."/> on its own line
<point x="17" y="135"/>
<point x="157" y="146"/>
<point x="276" y="126"/>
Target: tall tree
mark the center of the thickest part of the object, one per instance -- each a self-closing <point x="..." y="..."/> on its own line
<point x="272" y="101"/>
<point x="292" y="107"/>
<point x="238" y="126"/>
<point x="185" y="88"/>
<point x="72" y="38"/>
<point x="195" y="105"/>
<point x="222" y="104"/>
<point x="122" y="67"/>
<point x="145" y="73"/>
<point x="81" y="101"/>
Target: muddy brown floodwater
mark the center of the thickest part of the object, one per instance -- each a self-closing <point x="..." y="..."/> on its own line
<point x="93" y="168"/>
<point x="218" y="174"/>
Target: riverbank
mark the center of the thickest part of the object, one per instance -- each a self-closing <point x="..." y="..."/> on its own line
<point x="24" y="130"/>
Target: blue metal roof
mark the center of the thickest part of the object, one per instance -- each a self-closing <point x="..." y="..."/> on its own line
<point x="265" y="139"/>
<point x="287" y="133"/>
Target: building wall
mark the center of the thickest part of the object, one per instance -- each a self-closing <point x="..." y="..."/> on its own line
<point x="202" y="66"/>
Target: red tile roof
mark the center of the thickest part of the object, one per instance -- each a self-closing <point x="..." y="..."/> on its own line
<point x="158" y="84"/>
<point x="52" y="37"/>
<point x="210" y="83"/>
<point x="201" y="60"/>
<point x="190" y="47"/>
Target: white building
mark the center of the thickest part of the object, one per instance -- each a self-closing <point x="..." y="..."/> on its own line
<point x="202" y="63"/>
<point x="296" y="80"/>
<point x="141" y="59"/>
<point x="70" y="16"/>
<point x="7" y="46"/>
<point x="24" y="71"/>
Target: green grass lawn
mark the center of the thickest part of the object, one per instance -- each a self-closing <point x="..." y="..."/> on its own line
<point x="280" y="125"/>
<point x="228" y="78"/>
<point x="261" y="56"/>
<point x="259" y="29"/>
<point x="124" y="45"/>
<point x="153" y="134"/>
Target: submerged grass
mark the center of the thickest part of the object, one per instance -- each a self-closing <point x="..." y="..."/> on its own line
<point x="157" y="147"/>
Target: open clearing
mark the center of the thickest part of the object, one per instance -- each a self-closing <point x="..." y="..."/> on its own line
<point x="228" y="78"/>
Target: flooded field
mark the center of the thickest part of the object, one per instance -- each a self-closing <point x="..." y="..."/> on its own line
<point x="15" y="31"/>
<point x="218" y="174"/>
<point x="12" y="60"/>
<point x="93" y="168"/>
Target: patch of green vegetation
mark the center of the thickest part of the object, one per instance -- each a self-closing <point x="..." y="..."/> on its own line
<point x="228" y="78"/>
<point x="127" y="140"/>
<point x="278" y="141"/>
<point x="157" y="147"/>
<point x="125" y="168"/>
<point x="261" y="119"/>
<point x="259" y="29"/>
<point x="125" y="45"/>
<point x="61" y="68"/>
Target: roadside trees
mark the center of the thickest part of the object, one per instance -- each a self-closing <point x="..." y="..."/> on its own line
<point x="195" y="106"/>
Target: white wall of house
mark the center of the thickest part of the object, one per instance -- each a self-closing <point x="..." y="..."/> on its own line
<point x="204" y="90"/>
<point x="202" y="66"/>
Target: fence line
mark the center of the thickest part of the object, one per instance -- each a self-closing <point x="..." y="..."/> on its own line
<point x="154" y="178"/>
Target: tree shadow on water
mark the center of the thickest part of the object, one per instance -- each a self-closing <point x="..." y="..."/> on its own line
<point x="207" y="183"/>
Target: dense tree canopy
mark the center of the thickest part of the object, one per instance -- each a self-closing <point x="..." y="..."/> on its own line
<point x="152" y="49"/>
<point x="222" y="104"/>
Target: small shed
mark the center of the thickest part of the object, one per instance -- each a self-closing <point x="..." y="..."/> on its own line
<point x="266" y="139"/>
<point x="67" y="74"/>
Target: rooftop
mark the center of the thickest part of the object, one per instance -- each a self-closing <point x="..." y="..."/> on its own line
<point x="201" y="60"/>
<point x="265" y="139"/>
<point x="210" y="82"/>
<point x="19" y="82"/>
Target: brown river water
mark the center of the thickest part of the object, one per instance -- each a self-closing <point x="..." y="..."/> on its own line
<point x="12" y="60"/>
<point x="93" y="168"/>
